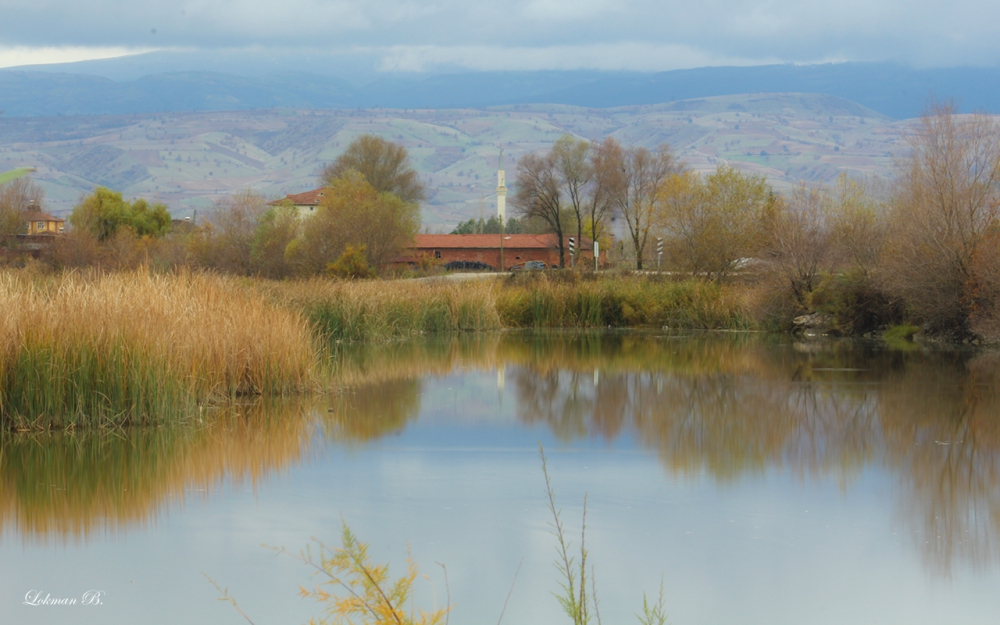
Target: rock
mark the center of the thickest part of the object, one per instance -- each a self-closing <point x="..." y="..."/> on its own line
<point x="815" y="323"/>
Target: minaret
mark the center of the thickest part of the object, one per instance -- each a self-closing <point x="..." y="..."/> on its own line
<point x="501" y="191"/>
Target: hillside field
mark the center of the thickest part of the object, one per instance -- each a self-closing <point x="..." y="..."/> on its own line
<point x="190" y="159"/>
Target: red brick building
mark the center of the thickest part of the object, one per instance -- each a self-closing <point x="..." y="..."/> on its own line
<point x="485" y="248"/>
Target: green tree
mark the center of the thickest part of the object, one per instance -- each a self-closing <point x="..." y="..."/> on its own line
<point x="488" y="226"/>
<point x="384" y="164"/>
<point x="353" y="212"/>
<point x="276" y="229"/>
<point x="104" y="212"/>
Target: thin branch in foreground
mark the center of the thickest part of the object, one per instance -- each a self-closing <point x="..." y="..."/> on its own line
<point x="509" y="592"/>
<point x="225" y="596"/>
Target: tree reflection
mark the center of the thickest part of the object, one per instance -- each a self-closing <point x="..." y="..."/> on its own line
<point x="69" y="485"/>
<point x="728" y="406"/>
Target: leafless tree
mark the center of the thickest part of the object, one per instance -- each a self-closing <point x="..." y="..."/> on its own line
<point x="636" y="188"/>
<point x="800" y="245"/>
<point x="17" y="197"/>
<point x="947" y="206"/>
<point x="539" y="195"/>
<point x="233" y="225"/>
<point x="575" y="171"/>
<point x="604" y="158"/>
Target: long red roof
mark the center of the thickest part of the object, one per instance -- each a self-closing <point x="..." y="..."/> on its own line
<point x="491" y="241"/>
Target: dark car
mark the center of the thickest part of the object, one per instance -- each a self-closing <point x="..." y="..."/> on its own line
<point x="468" y="265"/>
<point x="531" y="265"/>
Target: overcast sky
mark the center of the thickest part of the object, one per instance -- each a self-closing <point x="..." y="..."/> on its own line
<point x="518" y="34"/>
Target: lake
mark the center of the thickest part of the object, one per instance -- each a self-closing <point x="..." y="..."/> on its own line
<point x="760" y="479"/>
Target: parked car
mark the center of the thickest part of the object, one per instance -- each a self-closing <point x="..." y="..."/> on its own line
<point x="531" y="265"/>
<point x="468" y="265"/>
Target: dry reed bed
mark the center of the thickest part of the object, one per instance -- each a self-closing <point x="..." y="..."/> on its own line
<point x="129" y="347"/>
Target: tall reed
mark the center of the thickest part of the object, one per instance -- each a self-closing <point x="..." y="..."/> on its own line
<point x="390" y="309"/>
<point x="624" y="301"/>
<point x="129" y="347"/>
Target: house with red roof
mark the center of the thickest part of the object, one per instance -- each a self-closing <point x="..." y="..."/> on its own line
<point x="307" y="203"/>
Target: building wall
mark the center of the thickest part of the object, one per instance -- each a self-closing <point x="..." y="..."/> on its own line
<point x="47" y="226"/>
<point x="491" y="257"/>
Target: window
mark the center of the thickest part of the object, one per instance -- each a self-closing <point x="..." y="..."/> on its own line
<point x="437" y="253"/>
<point x="39" y="225"/>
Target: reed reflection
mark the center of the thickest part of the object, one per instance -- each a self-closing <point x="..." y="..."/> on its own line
<point x="732" y="406"/>
<point x="69" y="486"/>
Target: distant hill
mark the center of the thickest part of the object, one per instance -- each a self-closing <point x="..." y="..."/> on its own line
<point x="891" y="90"/>
<point x="188" y="160"/>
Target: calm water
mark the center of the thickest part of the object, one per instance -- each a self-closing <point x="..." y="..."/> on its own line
<point x="762" y="480"/>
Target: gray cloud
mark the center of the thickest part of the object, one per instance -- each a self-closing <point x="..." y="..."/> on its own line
<point x="609" y="34"/>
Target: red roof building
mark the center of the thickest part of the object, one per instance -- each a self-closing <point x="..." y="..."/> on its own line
<point x="486" y="248"/>
<point x="306" y="202"/>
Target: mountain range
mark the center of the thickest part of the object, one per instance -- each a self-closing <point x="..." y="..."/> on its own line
<point x="118" y="87"/>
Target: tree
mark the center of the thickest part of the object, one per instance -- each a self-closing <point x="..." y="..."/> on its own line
<point x="16" y="197"/>
<point x="104" y="212"/>
<point x="947" y="206"/>
<point x="354" y="213"/>
<point x="276" y="229"/>
<point x="383" y="164"/>
<point x="575" y="171"/>
<point x="605" y="157"/>
<point x="233" y="225"/>
<point x="800" y="245"/>
<point x="488" y="226"/>
<point x="539" y="195"/>
<point x="635" y="181"/>
<point x="713" y="223"/>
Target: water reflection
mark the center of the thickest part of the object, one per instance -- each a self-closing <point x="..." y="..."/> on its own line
<point x="72" y="485"/>
<point x="726" y="407"/>
<point x="734" y="406"/>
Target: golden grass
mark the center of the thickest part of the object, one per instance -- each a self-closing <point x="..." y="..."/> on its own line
<point x="126" y="347"/>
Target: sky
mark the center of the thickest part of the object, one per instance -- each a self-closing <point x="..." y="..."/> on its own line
<point x="422" y="35"/>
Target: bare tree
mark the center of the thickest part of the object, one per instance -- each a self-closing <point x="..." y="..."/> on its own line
<point x="575" y="172"/>
<point x="800" y="248"/>
<point x="947" y="204"/>
<point x="636" y="190"/>
<point x="17" y="197"/>
<point x="383" y="164"/>
<point x="539" y="195"/>
<point x="604" y="158"/>
<point x="233" y="226"/>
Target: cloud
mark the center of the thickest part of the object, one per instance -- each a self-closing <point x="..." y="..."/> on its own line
<point x="420" y="33"/>
<point x="622" y="56"/>
<point x="24" y="55"/>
